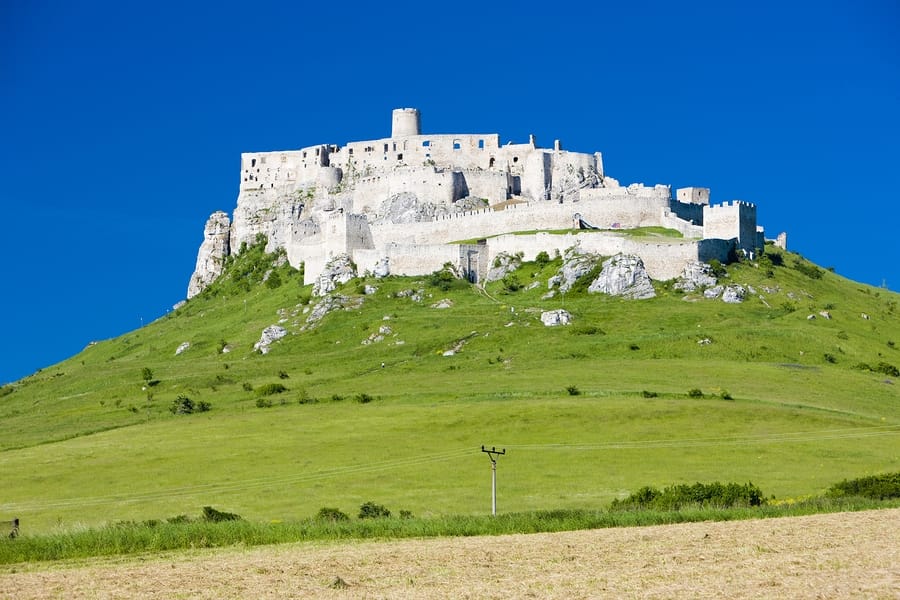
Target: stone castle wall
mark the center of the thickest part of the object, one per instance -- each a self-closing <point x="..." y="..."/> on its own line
<point x="324" y="200"/>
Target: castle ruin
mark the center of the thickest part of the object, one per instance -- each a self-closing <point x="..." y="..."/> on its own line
<point x="409" y="203"/>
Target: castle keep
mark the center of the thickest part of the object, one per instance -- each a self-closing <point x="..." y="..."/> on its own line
<point x="403" y="205"/>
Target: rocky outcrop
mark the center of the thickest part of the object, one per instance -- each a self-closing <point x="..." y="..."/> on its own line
<point x="269" y="335"/>
<point x="503" y="264"/>
<point x="213" y="251"/>
<point x="338" y="271"/>
<point x="554" y="318"/>
<point x="734" y="294"/>
<point x="695" y="275"/>
<point x="382" y="268"/>
<point x="624" y="275"/>
<point x="575" y="265"/>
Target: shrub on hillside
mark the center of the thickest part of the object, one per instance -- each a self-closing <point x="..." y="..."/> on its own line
<point x="445" y="279"/>
<point x="182" y="405"/>
<point x="808" y="269"/>
<point x="363" y="398"/>
<point x="647" y="394"/>
<point x="573" y="391"/>
<point x="879" y="487"/>
<point x="695" y="393"/>
<point x="586" y="330"/>
<point x="721" y="495"/>
<point x="270" y="389"/>
<point x="511" y="283"/>
<point x="215" y="516"/>
<point x="370" y="510"/>
<point x="542" y="259"/>
<point x="331" y="514"/>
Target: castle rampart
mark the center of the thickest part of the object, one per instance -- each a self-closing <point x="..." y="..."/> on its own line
<point x="325" y="199"/>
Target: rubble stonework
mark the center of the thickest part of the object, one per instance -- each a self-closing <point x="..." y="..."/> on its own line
<point x="408" y="200"/>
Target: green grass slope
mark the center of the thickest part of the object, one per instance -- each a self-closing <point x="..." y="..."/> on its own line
<point x="588" y="413"/>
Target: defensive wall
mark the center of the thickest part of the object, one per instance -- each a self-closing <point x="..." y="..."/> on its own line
<point x="324" y="200"/>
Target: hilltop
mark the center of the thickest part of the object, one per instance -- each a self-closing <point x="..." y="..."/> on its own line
<point x="390" y="395"/>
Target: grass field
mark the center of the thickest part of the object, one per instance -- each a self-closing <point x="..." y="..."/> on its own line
<point x="588" y="413"/>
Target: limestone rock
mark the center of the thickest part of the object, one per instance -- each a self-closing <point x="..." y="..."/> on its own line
<point x="405" y="207"/>
<point x="382" y="268"/>
<point x="444" y="303"/>
<point x="503" y="264"/>
<point x="734" y="294"/>
<point x="269" y="335"/>
<point x="575" y="265"/>
<point x="554" y="318"/>
<point x="182" y="347"/>
<point x="213" y="251"/>
<point x="624" y="275"/>
<point x="713" y="292"/>
<point x="695" y="275"/>
<point x="338" y="271"/>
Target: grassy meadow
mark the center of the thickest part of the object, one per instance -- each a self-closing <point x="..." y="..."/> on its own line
<point x="675" y="389"/>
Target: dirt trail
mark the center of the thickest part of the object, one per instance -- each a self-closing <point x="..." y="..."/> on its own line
<point x="845" y="555"/>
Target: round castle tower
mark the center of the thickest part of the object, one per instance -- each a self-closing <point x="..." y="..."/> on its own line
<point x="404" y="122"/>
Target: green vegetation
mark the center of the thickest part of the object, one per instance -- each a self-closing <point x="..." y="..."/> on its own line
<point x="879" y="487"/>
<point x="89" y="441"/>
<point x="182" y="533"/>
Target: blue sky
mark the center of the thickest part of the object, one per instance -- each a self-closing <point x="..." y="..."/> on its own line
<point x="121" y="125"/>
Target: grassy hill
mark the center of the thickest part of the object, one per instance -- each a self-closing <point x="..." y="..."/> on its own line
<point x="588" y="412"/>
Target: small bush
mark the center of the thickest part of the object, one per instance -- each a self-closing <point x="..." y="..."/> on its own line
<point x="717" y="268"/>
<point x="270" y="389"/>
<point x="304" y="398"/>
<point x="337" y="398"/>
<point x="542" y="259"/>
<point x="182" y="405"/>
<point x="331" y="514"/>
<point x="370" y="510"/>
<point x="724" y="395"/>
<point x="263" y="403"/>
<point x="634" y="347"/>
<point x="830" y="358"/>
<point x="363" y="398"/>
<point x="647" y="394"/>
<point x="887" y="369"/>
<point x="406" y="514"/>
<point x="586" y="330"/>
<point x="146" y="374"/>
<point x="879" y="487"/>
<point x="808" y="269"/>
<point x="248" y="387"/>
<point x="215" y="516"/>
<point x="573" y="391"/>
<point x="695" y="393"/>
<point x="511" y="283"/>
<point x="283" y="375"/>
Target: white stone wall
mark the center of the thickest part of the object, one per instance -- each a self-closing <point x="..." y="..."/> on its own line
<point x="731" y="220"/>
<point x="693" y="195"/>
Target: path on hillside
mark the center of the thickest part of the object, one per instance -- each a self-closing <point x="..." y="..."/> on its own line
<point x="844" y="555"/>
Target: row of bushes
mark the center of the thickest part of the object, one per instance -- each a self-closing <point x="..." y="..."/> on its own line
<point x="719" y="495"/>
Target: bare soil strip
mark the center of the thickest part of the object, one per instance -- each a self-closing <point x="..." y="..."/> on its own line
<point x="844" y="555"/>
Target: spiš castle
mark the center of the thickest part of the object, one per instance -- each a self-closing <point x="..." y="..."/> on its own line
<point x="410" y="203"/>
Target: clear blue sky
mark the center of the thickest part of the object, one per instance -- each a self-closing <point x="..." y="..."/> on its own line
<point x="122" y="124"/>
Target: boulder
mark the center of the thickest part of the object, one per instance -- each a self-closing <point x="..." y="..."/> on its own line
<point x="182" y="347"/>
<point x="695" y="275"/>
<point x="503" y="264"/>
<point x="575" y="265"/>
<point x="553" y="318"/>
<point x="624" y="275"/>
<point x="734" y="294"/>
<point x="382" y="268"/>
<point x="338" y="271"/>
<point x="713" y="292"/>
